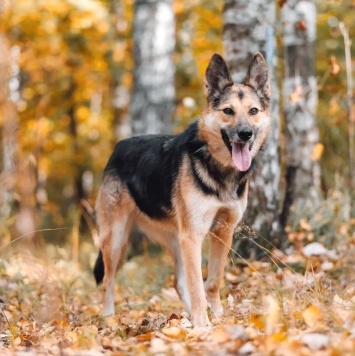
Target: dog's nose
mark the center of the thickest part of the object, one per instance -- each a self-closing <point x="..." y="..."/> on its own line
<point x="245" y="133"/>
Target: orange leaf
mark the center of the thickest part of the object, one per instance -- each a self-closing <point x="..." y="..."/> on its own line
<point x="312" y="315"/>
<point x="317" y="152"/>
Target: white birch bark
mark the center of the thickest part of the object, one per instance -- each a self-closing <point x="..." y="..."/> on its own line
<point x="153" y="96"/>
<point x="9" y="122"/>
<point x="121" y="94"/>
<point x="17" y="173"/>
<point x="300" y="97"/>
<point x="249" y="28"/>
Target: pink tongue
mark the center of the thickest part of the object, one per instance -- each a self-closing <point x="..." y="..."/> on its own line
<point x="241" y="156"/>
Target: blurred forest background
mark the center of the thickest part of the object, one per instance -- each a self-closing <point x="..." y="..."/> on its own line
<point x="77" y="76"/>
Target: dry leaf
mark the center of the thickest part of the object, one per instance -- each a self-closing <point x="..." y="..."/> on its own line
<point x="157" y="346"/>
<point x="230" y="301"/>
<point x="314" y="249"/>
<point x="185" y="323"/>
<point x="172" y="331"/>
<point x="312" y="316"/>
<point x="144" y="337"/>
<point x="220" y="335"/>
<point x="315" y="341"/>
<point x="71" y="336"/>
<point x="272" y="314"/>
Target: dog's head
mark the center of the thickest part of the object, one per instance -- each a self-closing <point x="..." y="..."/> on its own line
<point x="236" y="121"/>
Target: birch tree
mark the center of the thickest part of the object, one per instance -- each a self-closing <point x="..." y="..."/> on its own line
<point x="300" y="103"/>
<point x="9" y="122"/>
<point x="153" y="94"/>
<point x="249" y="28"/>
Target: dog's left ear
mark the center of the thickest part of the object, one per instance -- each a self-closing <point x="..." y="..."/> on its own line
<point x="258" y="76"/>
<point x="217" y="77"/>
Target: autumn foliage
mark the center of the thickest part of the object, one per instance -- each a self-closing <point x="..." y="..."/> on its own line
<point x="69" y="69"/>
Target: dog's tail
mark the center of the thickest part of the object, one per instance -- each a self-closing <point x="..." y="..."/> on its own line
<point x="99" y="269"/>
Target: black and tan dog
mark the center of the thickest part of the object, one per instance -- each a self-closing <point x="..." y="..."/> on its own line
<point x="178" y="189"/>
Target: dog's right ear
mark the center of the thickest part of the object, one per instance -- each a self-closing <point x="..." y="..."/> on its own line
<point x="217" y="77"/>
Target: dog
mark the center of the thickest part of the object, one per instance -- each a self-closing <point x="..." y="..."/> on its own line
<point x="180" y="188"/>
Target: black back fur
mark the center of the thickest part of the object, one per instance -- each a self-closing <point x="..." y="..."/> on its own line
<point x="149" y="165"/>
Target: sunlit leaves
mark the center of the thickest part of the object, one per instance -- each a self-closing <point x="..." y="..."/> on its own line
<point x="65" y="49"/>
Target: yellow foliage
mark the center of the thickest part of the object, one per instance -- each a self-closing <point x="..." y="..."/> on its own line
<point x="317" y="152"/>
<point x="82" y="113"/>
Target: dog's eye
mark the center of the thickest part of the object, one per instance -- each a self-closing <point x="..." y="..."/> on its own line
<point x="253" y="111"/>
<point x="228" y="111"/>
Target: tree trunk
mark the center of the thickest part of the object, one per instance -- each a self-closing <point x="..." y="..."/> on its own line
<point x="153" y="94"/>
<point x="9" y="132"/>
<point x="120" y="93"/>
<point x="18" y="174"/>
<point x="249" y="28"/>
<point x="300" y="100"/>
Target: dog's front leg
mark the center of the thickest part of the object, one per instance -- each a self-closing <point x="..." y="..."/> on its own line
<point x="220" y="244"/>
<point x="191" y="243"/>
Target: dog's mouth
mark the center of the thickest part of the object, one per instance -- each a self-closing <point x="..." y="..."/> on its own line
<point x="241" y="155"/>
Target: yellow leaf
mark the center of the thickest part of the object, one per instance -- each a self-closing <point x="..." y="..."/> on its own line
<point x="172" y="332"/>
<point x="258" y="321"/>
<point x="317" y="152"/>
<point x="272" y="314"/>
<point x="220" y="335"/>
<point x="82" y="113"/>
<point x="312" y="315"/>
<point x="111" y="321"/>
<point x="17" y="341"/>
<point x="71" y="336"/>
<point x="144" y="337"/>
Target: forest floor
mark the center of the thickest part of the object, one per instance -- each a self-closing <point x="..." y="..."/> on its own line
<point x="301" y="303"/>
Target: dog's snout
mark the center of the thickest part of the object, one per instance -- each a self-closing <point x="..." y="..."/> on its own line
<point x="245" y="133"/>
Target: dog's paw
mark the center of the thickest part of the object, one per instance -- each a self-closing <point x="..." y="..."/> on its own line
<point x="200" y="330"/>
<point x="216" y="308"/>
<point x="201" y="320"/>
<point x="109" y="310"/>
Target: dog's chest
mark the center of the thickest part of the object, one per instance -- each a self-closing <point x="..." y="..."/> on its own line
<point x="204" y="209"/>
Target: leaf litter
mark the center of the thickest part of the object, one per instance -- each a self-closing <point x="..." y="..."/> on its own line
<point x="51" y="306"/>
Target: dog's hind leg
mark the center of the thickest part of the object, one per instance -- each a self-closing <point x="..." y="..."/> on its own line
<point x="170" y="241"/>
<point x="220" y="243"/>
<point x="113" y="248"/>
<point x="115" y="222"/>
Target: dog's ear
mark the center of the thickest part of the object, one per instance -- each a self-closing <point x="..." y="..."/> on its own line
<point x="217" y="77"/>
<point x="258" y="76"/>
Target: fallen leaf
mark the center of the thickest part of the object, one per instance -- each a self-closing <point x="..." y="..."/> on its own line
<point x="144" y="337"/>
<point x="246" y="349"/>
<point x="172" y="331"/>
<point x="185" y="323"/>
<point x="157" y="345"/>
<point x="315" y="341"/>
<point x="312" y="316"/>
<point x="220" y="335"/>
<point x="314" y="249"/>
<point x="230" y="301"/>
<point x="272" y="314"/>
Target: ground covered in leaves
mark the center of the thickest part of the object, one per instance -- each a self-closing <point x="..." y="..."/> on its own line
<point x="299" y="303"/>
